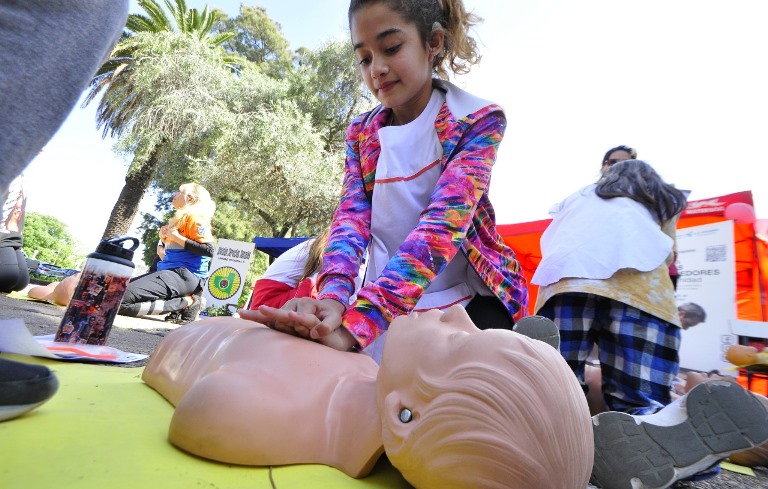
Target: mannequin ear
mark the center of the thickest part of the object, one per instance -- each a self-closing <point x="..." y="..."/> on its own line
<point x="398" y="419"/>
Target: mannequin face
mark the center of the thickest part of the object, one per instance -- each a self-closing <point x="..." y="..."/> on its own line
<point x="426" y="344"/>
<point x="461" y="407"/>
<point x="422" y="341"/>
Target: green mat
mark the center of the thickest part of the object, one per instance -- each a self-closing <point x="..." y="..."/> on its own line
<point x="106" y="429"/>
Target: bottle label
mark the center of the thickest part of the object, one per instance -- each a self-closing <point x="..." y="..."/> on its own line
<point x="95" y="302"/>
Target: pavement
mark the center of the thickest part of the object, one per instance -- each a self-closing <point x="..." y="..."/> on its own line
<point x="140" y="335"/>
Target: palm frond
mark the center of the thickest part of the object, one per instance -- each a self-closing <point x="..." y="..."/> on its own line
<point x="159" y="19"/>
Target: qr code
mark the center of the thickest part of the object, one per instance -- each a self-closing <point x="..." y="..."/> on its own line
<point x="716" y="253"/>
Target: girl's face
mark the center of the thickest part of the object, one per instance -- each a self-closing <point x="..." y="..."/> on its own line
<point x="614" y="158"/>
<point x="395" y="63"/>
<point x="181" y="198"/>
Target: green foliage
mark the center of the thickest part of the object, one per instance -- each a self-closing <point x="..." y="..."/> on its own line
<point x="150" y="236"/>
<point x="259" y="40"/>
<point x="47" y="239"/>
<point x="197" y="96"/>
<point x="327" y="85"/>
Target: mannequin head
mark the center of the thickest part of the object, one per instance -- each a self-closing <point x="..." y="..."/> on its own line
<point x="462" y="407"/>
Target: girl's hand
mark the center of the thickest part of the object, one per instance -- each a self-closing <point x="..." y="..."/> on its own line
<point x="340" y="339"/>
<point x="286" y="321"/>
<point x="304" y="317"/>
<point x="307" y="318"/>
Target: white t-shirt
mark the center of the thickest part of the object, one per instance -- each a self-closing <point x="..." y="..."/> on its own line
<point x="406" y="174"/>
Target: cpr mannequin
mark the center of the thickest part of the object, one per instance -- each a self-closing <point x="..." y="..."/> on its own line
<point x="56" y="292"/>
<point x="250" y="395"/>
<point x="749" y="356"/>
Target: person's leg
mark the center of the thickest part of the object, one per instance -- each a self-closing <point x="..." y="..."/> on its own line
<point x="574" y="316"/>
<point x="638" y="360"/>
<point x="159" y="292"/>
<point x="13" y="270"/>
<point x="21" y="262"/>
<point x="49" y="50"/>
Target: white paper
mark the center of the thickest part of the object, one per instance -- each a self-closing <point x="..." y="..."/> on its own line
<point x="16" y="338"/>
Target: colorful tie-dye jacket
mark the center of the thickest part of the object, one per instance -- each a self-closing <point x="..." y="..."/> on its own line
<point x="459" y="217"/>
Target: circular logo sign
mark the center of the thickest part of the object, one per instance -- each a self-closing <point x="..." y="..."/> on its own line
<point x="224" y="283"/>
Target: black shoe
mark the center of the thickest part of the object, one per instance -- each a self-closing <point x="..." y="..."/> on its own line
<point x="191" y="313"/>
<point x="173" y="317"/>
<point x="23" y="387"/>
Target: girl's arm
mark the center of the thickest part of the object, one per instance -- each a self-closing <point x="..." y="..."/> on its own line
<point x="349" y="232"/>
<point x="433" y="243"/>
<point x="202" y="249"/>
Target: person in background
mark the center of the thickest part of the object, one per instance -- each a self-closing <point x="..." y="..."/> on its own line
<point x="604" y="280"/>
<point x="621" y="153"/>
<point x="186" y="253"/>
<point x="415" y="190"/>
<point x="691" y="314"/>
<point x="615" y="155"/>
<point x="49" y="50"/>
<point x="14" y="274"/>
<point x="293" y="274"/>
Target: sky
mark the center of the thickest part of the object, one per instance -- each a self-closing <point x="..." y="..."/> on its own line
<point x="684" y="82"/>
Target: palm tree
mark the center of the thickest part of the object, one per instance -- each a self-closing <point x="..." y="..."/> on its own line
<point x="122" y="104"/>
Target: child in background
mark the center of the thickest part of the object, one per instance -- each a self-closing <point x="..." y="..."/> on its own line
<point x="415" y="191"/>
<point x="177" y="285"/>
<point x="292" y="274"/>
<point x="14" y="275"/>
<point x="604" y="280"/>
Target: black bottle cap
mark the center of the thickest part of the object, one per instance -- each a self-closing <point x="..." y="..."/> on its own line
<point x="115" y="247"/>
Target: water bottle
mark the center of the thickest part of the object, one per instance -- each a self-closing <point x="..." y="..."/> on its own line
<point x="94" y="305"/>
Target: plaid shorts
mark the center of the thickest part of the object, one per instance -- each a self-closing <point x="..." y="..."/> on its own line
<point x="638" y="352"/>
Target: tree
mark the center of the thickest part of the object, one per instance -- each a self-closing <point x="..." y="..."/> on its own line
<point x="268" y="143"/>
<point x="125" y="109"/>
<point x="47" y="239"/>
<point x="327" y="85"/>
<point x="259" y="40"/>
<point x="270" y="161"/>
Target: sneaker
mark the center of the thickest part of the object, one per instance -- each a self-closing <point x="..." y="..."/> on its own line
<point x="23" y="387"/>
<point x="712" y="421"/>
<point x="539" y="328"/>
<point x="190" y="313"/>
<point x="173" y="317"/>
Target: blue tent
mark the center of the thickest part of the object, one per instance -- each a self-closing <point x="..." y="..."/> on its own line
<point x="275" y="247"/>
